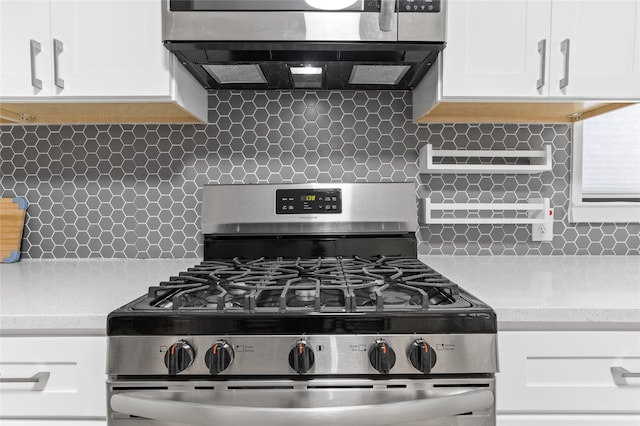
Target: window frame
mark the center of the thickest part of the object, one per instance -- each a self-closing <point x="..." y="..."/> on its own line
<point x="594" y="211"/>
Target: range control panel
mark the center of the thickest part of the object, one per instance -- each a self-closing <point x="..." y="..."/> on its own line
<point x="426" y="6"/>
<point x="303" y="201"/>
<point x="337" y="354"/>
<point x="419" y="6"/>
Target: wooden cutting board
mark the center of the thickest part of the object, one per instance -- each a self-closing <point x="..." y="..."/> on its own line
<point x="12" y="214"/>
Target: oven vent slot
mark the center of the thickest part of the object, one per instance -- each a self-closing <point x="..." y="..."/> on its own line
<point x="141" y="388"/>
<point x="340" y="387"/>
<point x="204" y="387"/>
<point x="258" y="387"/>
<point x="467" y="385"/>
<point x="396" y="386"/>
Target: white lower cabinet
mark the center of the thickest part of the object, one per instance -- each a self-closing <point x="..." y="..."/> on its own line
<point x="565" y="378"/>
<point x="51" y="381"/>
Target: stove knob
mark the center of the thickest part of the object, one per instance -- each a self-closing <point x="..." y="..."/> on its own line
<point x="178" y="357"/>
<point x="422" y="356"/>
<point x="382" y="357"/>
<point x="301" y="357"/>
<point x="218" y="357"/>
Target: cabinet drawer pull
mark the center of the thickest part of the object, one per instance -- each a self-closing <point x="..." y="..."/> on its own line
<point x="34" y="49"/>
<point x="542" y="50"/>
<point x="58" y="48"/>
<point x="620" y="374"/>
<point x="39" y="377"/>
<point x="564" y="48"/>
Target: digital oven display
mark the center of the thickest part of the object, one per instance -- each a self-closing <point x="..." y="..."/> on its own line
<point x="301" y="201"/>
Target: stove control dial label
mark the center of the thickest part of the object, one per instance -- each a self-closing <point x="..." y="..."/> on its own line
<point x="382" y="357"/>
<point x="178" y="357"/>
<point x="301" y="357"/>
<point x="218" y="357"/>
<point x="422" y="356"/>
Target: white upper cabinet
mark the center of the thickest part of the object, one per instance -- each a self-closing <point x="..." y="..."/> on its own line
<point x="75" y="61"/>
<point x="109" y="48"/>
<point x="579" y="49"/>
<point x="492" y="47"/>
<point x="603" y="41"/>
<point x="25" y="48"/>
<point x="83" y="48"/>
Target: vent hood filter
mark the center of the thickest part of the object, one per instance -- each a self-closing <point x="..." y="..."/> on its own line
<point x="378" y="74"/>
<point x="236" y="74"/>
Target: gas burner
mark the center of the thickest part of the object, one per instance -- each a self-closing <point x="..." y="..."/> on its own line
<point x="305" y="295"/>
<point x="394" y="297"/>
<point x="238" y="288"/>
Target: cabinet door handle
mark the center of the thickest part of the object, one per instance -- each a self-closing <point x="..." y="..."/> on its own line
<point x="542" y="50"/>
<point x="564" y="48"/>
<point x="34" y="49"/>
<point x="39" y="377"/>
<point x="620" y="374"/>
<point x="58" y="48"/>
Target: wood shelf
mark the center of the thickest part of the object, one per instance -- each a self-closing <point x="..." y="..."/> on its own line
<point x="94" y="113"/>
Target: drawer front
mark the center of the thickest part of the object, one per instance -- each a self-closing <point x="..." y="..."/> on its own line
<point x="53" y="377"/>
<point x="568" y="420"/>
<point x="567" y="372"/>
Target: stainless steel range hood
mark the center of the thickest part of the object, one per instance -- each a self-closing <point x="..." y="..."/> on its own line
<point x="305" y="44"/>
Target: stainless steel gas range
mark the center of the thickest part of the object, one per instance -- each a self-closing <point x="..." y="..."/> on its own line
<point x="310" y="307"/>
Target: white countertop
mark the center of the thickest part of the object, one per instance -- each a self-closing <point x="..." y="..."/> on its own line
<point x="563" y="292"/>
<point x="551" y="292"/>
<point x="75" y="296"/>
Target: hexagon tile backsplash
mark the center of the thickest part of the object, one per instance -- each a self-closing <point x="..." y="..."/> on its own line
<point x="134" y="190"/>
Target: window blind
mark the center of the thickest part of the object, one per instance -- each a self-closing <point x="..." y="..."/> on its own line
<point x="611" y="154"/>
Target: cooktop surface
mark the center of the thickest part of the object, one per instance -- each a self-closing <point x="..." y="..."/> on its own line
<point x="322" y="294"/>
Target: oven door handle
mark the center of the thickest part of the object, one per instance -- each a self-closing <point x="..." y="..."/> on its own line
<point x="154" y="405"/>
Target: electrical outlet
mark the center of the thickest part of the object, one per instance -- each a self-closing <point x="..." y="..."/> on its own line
<point x="543" y="231"/>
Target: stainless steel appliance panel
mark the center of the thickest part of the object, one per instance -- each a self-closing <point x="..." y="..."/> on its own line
<point x="277" y="26"/>
<point x="423" y="26"/>
<point x="334" y="354"/>
<point x="373" y="208"/>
